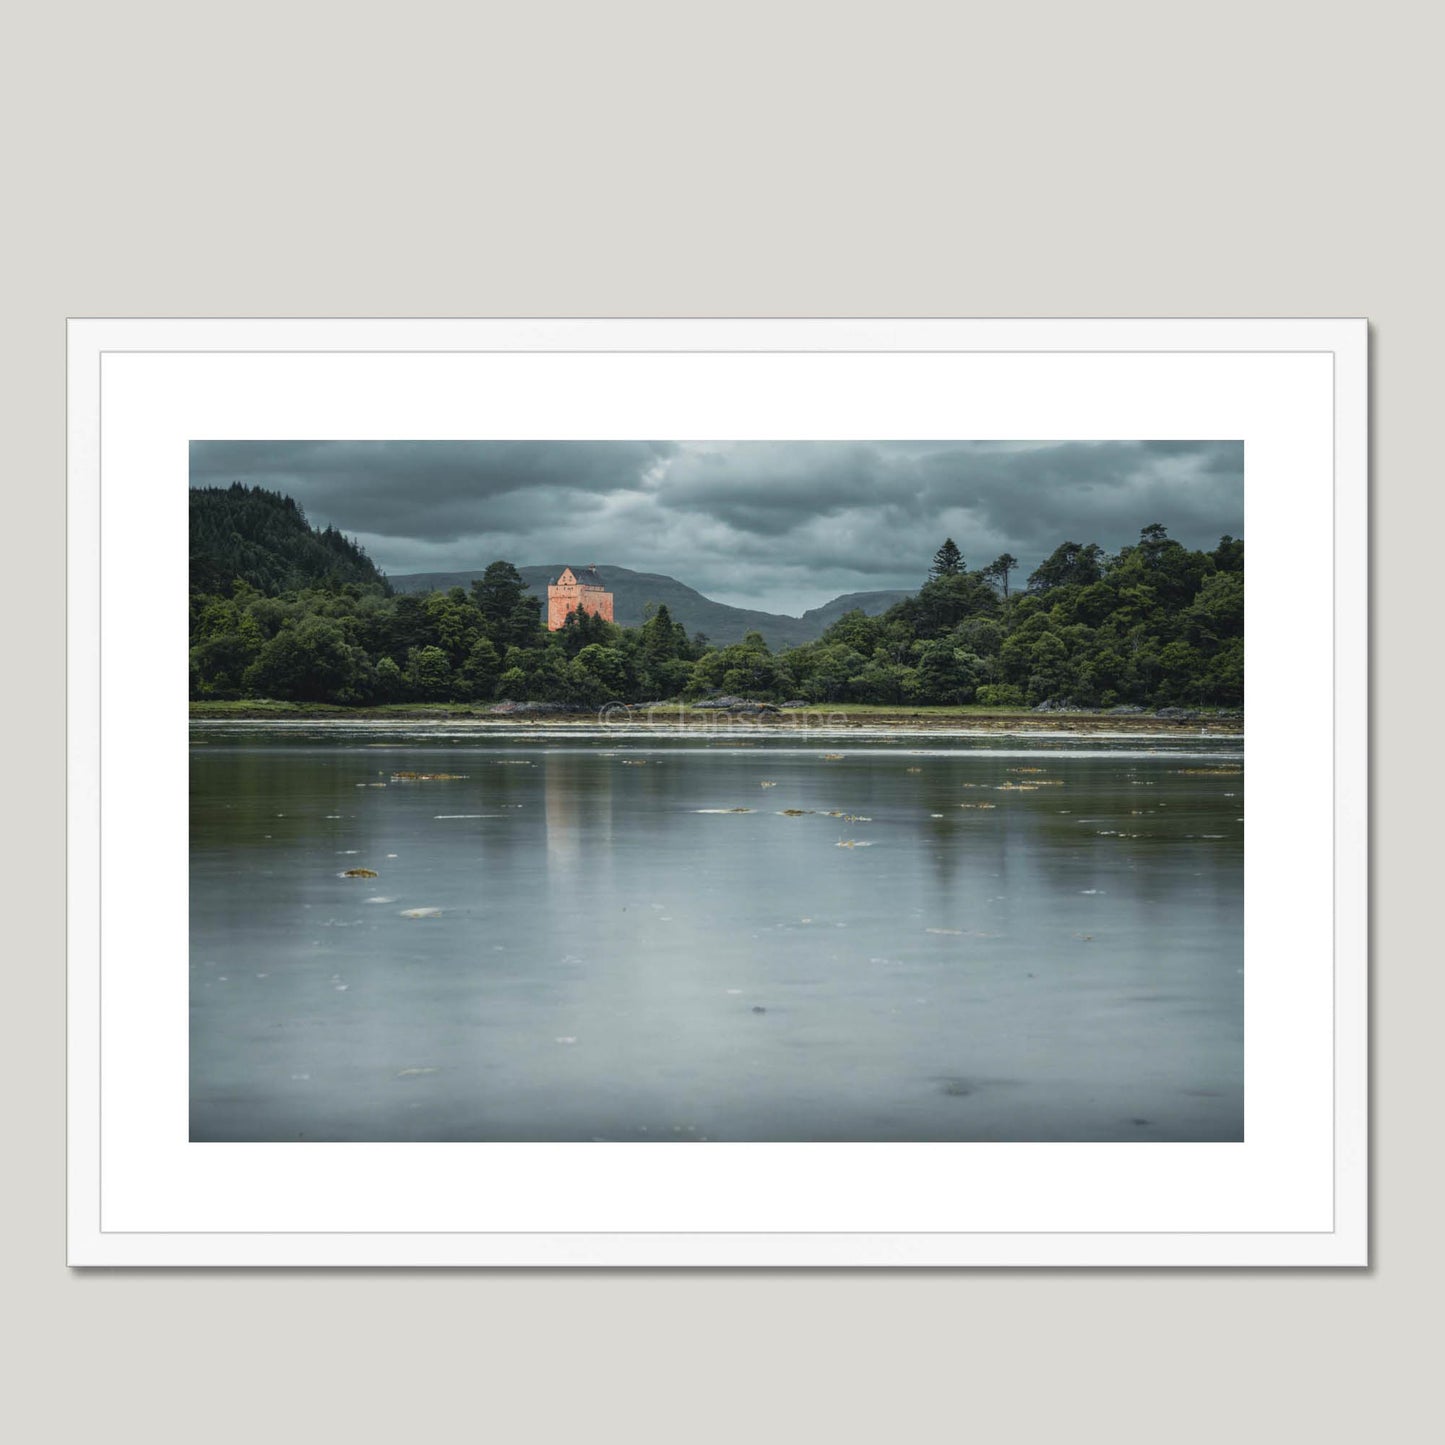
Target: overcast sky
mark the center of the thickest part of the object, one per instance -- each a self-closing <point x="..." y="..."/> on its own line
<point x="781" y="526"/>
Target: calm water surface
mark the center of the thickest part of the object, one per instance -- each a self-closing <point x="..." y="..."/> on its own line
<point x="1025" y="941"/>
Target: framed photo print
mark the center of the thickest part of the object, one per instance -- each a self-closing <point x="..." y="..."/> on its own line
<point x="717" y="792"/>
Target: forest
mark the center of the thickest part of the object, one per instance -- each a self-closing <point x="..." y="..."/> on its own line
<point x="281" y="610"/>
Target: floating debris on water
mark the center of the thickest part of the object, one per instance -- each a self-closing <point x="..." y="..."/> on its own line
<point x="413" y="1073"/>
<point x="978" y="805"/>
<point x="831" y="757"/>
<point x="427" y="777"/>
<point x="359" y="873"/>
<point x="766" y="784"/>
<point x="1026" y="770"/>
<point x="420" y="912"/>
<point x="442" y="817"/>
<point x="381" y="900"/>
<point x="794" y="812"/>
<point x="722" y="810"/>
<point x="851" y="843"/>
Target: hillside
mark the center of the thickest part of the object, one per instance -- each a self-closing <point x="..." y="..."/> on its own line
<point x="872" y="603"/>
<point x="632" y="591"/>
<point x="263" y="538"/>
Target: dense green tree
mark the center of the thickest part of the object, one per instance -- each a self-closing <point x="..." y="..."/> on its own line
<point x="550" y="679"/>
<point x="1229" y="555"/>
<point x="497" y="592"/>
<point x="512" y="685"/>
<point x="1071" y="564"/>
<point x="1217" y="611"/>
<point x="311" y="661"/>
<point x="826" y="669"/>
<point x="857" y="630"/>
<point x="480" y="671"/>
<point x="390" y="680"/>
<point x="429" y="674"/>
<point x="511" y="611"/>
<point x="581" y="629"/>
<point x="662" y="638"/>
<point x="946" y="674"/>
<point x="942" y="604"/>
<point x="598" y="675"/>
<point x="452" y="624"/>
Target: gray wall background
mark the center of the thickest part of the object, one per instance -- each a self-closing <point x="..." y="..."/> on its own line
<point x="792" y="159"/>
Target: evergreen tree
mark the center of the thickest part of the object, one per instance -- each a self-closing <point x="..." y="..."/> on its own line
<point x="947" y="561"/>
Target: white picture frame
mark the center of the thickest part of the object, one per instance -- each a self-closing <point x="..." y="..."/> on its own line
<point x="1293" y="1193"/>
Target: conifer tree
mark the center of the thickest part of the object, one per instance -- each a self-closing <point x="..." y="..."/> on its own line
<point x="947" y="561"/>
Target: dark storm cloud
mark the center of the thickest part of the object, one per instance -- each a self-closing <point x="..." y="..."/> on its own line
<point x="777" y="525"/>
<point x="431" y="491"/>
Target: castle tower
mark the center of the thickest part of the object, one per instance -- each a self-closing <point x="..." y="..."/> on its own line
<point x="578" y="589"/>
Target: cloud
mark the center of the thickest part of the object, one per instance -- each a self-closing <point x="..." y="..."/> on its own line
<point x="777" y="525"/>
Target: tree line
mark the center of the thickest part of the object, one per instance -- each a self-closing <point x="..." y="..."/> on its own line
<point x="1155" y="624"/>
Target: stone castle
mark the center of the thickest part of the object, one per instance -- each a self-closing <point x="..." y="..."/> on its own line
<point x="578" y="589"/>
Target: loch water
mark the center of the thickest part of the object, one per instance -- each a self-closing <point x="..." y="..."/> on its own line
<point x="626" y="936"/>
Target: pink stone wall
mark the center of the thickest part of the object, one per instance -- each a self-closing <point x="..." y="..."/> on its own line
<point x="569" y="598"/>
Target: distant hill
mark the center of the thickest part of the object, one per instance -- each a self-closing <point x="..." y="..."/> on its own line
<point x="263" y="538"/>
<point x="632" y="591"/>
<point x="873" y="603"/>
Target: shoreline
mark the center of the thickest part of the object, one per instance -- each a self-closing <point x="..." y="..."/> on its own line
<point x="683" y="721"/>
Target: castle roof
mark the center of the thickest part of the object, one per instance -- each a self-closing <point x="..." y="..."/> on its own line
<point x="586" y="576"/>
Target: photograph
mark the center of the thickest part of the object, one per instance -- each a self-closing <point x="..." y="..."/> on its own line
<point x="716" y="791"/>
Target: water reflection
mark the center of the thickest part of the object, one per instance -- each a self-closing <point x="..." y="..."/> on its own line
<point x="889" y="944"/>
